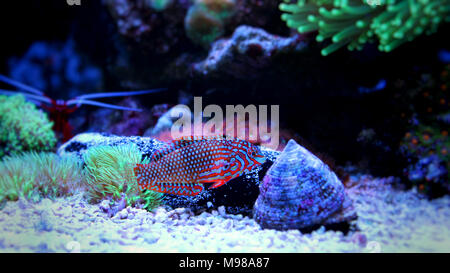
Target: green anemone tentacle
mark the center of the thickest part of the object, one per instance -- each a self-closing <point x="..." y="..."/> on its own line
<point x="353" y="23"/>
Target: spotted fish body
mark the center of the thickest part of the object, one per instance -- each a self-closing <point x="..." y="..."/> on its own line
<point x="183" y="166"/>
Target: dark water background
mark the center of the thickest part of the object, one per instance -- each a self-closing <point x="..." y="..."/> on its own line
<point x="319" y="102"/>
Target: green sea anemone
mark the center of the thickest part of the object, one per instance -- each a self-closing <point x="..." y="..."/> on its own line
<point x="23" y="127"/>
<point x="37" y="175"/>
<point x="353" y="23"/>
<point x="110" y="175"/>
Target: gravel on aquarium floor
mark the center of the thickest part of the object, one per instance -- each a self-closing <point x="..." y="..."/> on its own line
<point x="389" y="221"/>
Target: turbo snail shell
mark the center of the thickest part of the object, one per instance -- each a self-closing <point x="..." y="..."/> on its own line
<point x="298" y="191"/>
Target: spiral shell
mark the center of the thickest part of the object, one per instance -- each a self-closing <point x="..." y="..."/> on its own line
<point x="298" y="191"/>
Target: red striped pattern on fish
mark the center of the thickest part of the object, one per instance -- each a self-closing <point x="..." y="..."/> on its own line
<point x="184" y="165"/>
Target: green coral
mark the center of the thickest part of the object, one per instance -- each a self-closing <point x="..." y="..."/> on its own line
<point x="110" y="175"/>
<point x="356" y="22"/>
<point x="23" y="127"/>
<point x="158" y="5"/>
<point x="205" y="20"/>
<point x="36" y="175"/>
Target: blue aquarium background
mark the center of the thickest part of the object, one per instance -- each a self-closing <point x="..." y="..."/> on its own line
<point x="362" y="89"/>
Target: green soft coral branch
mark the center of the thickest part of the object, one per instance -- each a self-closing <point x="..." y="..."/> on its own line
<point x="353" y="23"/>
<point x="110" y="175"/>
<point x="36" y="175"/>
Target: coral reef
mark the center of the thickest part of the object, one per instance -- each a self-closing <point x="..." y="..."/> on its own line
<point x="429" y="148"/>
<point x="152" y="41"/>
<point x="299" y="191"/>
<point x="57" y="69"/>
<point x="248" y="50"/>
<point x="23" y="127"/>
<point x="81" y="143"/>
<point x="426" y="144"/>
<point x="356" y="144"/>
<point x="205" y="20"/>
<point x="161" y="25"/>
<point x="429" y="173"/>
<point x="110" y="175"/>
<point x="156" y="25"/>
<point x="262" y="14"/>
<point x="353" y="23"/>
<point x="35" y="176"/>
<point x="159" y="5"/>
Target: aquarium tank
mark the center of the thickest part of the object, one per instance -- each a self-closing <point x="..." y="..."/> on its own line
<point x="225" y="126"/>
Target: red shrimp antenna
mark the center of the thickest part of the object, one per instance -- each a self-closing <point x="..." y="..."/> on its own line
<point x="20" y="86"/>
<point x="85" y="99"/>
<point x="59" y="110"/>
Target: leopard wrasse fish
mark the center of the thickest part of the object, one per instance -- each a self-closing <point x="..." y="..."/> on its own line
<point x="183" y="166"/>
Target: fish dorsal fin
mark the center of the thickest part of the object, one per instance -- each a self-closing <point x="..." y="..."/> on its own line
<point x="199" y="138"/>
<point x="168" y="148"/>
<point x="158" y="154"/>
<point x="180" y="143"/>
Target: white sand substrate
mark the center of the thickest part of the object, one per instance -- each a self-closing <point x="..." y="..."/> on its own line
<point x="389" y="221"/>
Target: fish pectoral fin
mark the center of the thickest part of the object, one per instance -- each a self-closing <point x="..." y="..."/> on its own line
<point x="207" y="177"/>
<point x="218" y="184"/>
<point x="206" y="180"/>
